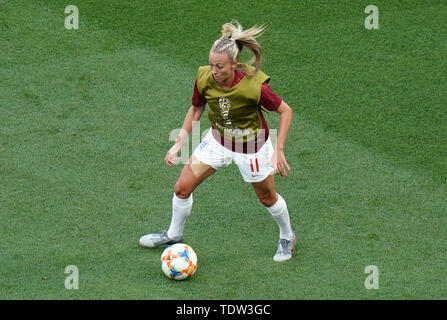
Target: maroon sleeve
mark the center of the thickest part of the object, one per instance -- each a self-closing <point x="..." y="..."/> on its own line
<point x="197" y="99"/>
<point x="269" y="99"/>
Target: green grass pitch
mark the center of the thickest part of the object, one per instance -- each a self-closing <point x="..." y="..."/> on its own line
<point x="85" y="117"/>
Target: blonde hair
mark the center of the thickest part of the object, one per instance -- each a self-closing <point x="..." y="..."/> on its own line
<point x="234" y="39"/>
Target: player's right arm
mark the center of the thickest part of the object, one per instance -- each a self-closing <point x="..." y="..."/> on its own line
<point x="194" y="114"/>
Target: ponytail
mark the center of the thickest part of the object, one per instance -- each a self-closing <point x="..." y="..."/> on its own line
<point x="234" y="39"/>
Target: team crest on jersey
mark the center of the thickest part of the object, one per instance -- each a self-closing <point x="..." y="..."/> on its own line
<point x="225" y="105"/>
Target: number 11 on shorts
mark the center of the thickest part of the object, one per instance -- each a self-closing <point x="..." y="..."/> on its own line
<point x="254" y="165"/>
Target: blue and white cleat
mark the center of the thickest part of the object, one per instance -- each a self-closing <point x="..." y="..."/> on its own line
<point x="158" y="239"/>
<point x="285" y="248"/>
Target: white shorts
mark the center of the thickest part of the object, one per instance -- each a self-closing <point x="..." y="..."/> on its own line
<point x="254" y="167"/>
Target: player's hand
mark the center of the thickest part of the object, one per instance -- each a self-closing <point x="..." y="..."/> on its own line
<point x="280" y="164"/>
<point x="171" y="157"/>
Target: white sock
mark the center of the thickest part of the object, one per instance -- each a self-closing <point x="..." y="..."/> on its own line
<point x="280" y="213"/>
<point x="181" y="209"/>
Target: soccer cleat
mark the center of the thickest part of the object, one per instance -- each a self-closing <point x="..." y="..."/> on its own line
<point x="157" y="239"/>
<point x="285" y="248"/>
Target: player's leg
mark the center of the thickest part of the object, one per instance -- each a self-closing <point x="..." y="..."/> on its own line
<point x="277" y="206"/>
<point x="205" y="160"/>
<point x="257" y="170"/>
<point x="265" y="190"/>
<point x="193" y="174"/>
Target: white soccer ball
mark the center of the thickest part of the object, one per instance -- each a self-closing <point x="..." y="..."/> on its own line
<point x="178" y="261"/>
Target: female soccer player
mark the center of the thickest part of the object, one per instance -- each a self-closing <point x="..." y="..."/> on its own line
<point x="235" y="93"/>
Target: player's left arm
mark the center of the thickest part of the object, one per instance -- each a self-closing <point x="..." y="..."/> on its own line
<point x="279" y="162"/>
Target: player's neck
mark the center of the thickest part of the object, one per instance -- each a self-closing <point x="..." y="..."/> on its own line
<point x="227" y="84"/>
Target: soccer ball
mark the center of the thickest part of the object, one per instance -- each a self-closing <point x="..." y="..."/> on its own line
<point x="178" y="261"/>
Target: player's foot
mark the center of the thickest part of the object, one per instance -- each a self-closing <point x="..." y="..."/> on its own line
<point x="158" y="239"/>
<point x="285" y="248"/>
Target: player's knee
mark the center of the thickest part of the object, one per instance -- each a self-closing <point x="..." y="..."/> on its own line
<point x="268" y="200"/>
<point x="181" y="191"/>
